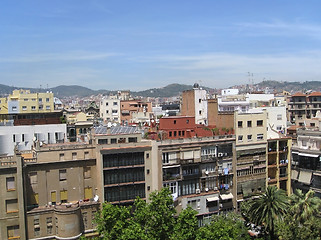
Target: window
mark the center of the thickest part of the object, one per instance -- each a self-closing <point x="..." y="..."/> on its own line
<point x="279" y="117"/>
<point x="86" y="155"/>
<point x="47" y="99"/>
<point x="40" y="99"/>
<point x="24" y="108"/>
<point x="174" y="121"/>
<point x="74" y="156"/>
<point x="132" y="139"/>
<point x="88" y="192"/>
<point x="49" y="225"/>
<point x="14" y="137"/>
<point x="249" y="137"/>
<point x="260" y="136"/>
<point x="147" y="155"/>
<point x="312" y="124"/>
<point x="239" y="124"/>
<point x="53" y="195"/>
<point x="166" y="157"/>
<point x="106" y="103"/>
<point x="200" y="112"/>
<point x="12" y="205"/>
<point x="87" y="172"/>
<point x="47" y="107"/>
<point x="115" y="103"/>
<point x="240" y="138"/>
<point x="175" y="133"/>
<point x="63" y="196"/>
<point x="33" y="99"/>
<point x="33" y="178"/>
<point x="61" y="156"/>
<point x="187" y="121"/>
<point x="23" y="137"/>
<point x="62" y="175"/>
<point x="85" y="221"/>
<point x="14" y="108"/>
<point x="107" y="111"/>
<point x="259" y="123"/>
<point x="114" y="111"/>
<point x="10" y="184"/>
<point x="199" y="100"/>
<point x="170" y="133"/>
<point x="113" y="140"/>
<point x="13" y="232"/>
<point x="249" y="123"/>
<point x="33" y="107"/>
<point x="36" y="226"/>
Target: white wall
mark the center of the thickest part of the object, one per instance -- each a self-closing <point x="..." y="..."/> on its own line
<point x="23" y="136"/>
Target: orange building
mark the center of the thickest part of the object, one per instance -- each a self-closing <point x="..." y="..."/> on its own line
<point x="128" y="107"/>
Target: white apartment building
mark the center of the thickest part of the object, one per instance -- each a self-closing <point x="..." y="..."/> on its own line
<point x="23" y="137"/>
<point x="110" y="109"/>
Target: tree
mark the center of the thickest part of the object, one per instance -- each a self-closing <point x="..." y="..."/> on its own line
<point x="228" y="226"/>
<point x="303" y="219"/>
<point x="304" y="206"/>
<point x="186" y="225"/>
<point x="153" y="220"/>
<point x="268" y="208"/>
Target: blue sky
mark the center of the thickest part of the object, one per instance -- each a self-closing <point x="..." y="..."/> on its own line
<point x="138" y="45"/>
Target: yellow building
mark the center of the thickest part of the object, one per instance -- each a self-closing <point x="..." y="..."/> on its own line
<point x="23" y="101"/>
<point x="3" y="106"/>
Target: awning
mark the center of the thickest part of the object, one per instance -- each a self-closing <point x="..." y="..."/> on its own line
<point x="171" y="166"/>
<point x="317" y="174"/>
<point x="294" y="174"/>
<point x="212" y="199"/>
<point x="226" y="196"/>
<point x="295" y="152"/>
<point x="305" y="177"/>
<point x="308" y="155"/>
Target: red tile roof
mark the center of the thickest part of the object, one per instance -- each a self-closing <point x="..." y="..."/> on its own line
<point x="315" y="94"/>
<point x="298" y="94"/>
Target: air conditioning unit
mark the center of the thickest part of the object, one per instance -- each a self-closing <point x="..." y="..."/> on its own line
<point x="206" y="172"/>
<point x="198" y="191"/>
<point x="206" y="189"/>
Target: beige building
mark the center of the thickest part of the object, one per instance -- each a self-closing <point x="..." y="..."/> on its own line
<point x="251" y="142"/>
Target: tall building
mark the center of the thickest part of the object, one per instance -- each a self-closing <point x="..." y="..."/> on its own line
<point x="199" y="173"/>
<point x="194" y="103"/>
<point x="251" y="141"/>
<point x="306" y="165"/>
<point x="124" y="160"/>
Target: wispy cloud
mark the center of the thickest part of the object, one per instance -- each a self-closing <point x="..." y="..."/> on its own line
<point x="46" y="57"/>
<point x="281" y="28"/>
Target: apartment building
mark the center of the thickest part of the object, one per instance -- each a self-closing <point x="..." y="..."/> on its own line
<point x="251" y="142"/>
<point x="306" y="165"/>
<point x="125" y="163"/>
<point x="303" y="107"/>
<point x="23" y="101"/>
<point x="128" y="107"/>
<point x="279" y="163"/>
<point x="110" y="109"/>
<point x="51" y="192"/>
<point x="12" y="207"/>
<point x="194" y="103"/>
<point x="199" y="173"/>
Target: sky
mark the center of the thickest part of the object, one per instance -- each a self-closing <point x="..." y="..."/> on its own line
<point x="140" y="44"/>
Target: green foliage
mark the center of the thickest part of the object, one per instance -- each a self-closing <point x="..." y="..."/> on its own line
<point x="223" y="227"/>
<point x="303" y="220"/>
<point x="186" y="225"/>
<point x="268" y="209"/>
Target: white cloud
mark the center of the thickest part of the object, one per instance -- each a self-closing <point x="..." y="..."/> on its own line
<point x="69" y="56"/>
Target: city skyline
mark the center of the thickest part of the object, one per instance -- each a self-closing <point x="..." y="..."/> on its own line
<point x="141" y="45"/>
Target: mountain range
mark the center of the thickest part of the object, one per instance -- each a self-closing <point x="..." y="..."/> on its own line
<point x="169" y="90"/>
